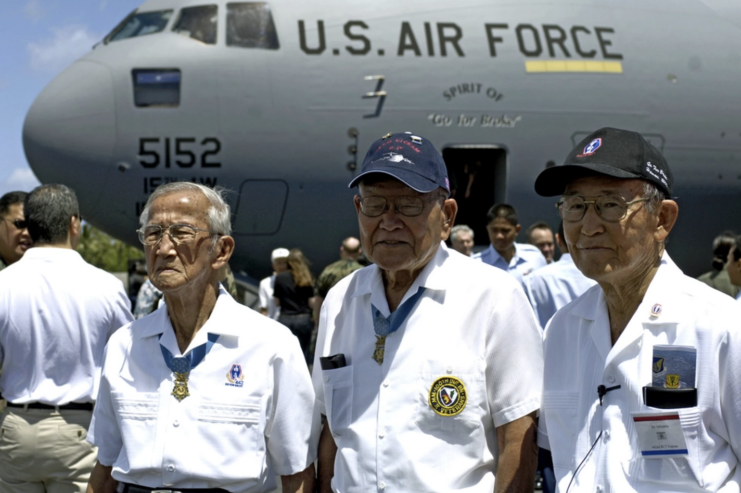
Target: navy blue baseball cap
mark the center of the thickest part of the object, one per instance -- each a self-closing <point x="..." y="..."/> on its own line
<point x="409" y="158"/>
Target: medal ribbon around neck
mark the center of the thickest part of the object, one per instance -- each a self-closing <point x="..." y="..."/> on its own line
<point x="181" y="365"/>
<point x="384" y="326"/>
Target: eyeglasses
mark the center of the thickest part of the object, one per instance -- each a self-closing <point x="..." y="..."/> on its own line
<point x="611" y="208"/>
<point x="18" y="223"/>
<point x="179" y="234"/>
<point x="410" y="206"/>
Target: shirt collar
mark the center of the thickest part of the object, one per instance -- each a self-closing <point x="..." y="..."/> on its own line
<point x="516" y="258"/>
<point x="220" y="322"/>
<point x="566" y="258"/>
<point x="51" y="253"/>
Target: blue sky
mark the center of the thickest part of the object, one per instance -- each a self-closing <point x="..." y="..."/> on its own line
<point x="38" y="40"/>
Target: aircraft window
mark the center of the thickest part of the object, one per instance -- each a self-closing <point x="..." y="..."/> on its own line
<point x="139" y="24"/>
<point x="198" y="23"/>
<point x="250" y="25"/>
<point x="156" y="87"/>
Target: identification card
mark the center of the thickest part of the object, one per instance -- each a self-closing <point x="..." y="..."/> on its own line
<point x="660" y="435"/>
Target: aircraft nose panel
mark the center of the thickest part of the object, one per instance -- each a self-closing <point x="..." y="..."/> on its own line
<point x="70" y="131"/>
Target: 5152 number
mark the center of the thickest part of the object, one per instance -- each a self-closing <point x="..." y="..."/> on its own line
<point x="185" y="152"/>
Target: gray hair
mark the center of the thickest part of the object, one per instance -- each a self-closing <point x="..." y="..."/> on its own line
<point x="654" y="196"/>
<point x="48" y="209"/>
<point x="461" y="228"/>
<point x="219" y="220"/>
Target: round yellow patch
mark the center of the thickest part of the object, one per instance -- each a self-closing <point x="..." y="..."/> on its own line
<point x="448" y="396"/>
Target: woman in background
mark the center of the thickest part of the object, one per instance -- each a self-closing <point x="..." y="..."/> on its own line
<point x="293" y="289"/>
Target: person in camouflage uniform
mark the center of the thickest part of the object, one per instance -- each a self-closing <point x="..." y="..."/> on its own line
<point x="350" y="252"/>
<point x="14" y="237"/>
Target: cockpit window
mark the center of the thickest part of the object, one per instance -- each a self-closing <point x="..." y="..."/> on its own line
<point x="250" y="25"/>
<point x="139" y="24"/>
<point x="198" y="23"/>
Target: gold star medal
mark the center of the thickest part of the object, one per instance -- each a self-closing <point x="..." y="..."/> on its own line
<point x="380" y="349"/>
<point x="181" y="368"/>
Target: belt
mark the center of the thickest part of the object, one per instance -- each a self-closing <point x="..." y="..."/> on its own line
<point x="133" y="488"/>
<point x="72" y="406"/>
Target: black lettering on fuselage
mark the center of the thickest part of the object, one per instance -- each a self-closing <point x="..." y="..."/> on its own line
<point x="407" y="41"/>
<point x="428" y="36"/>
<point x="577" y="44"/>
<point x="559" y="40"/>
<point x="302" y="39"/>
<point x="604" y="43"/>
<point x="453" y="40"/>
<point x="521" y="40"/>
<point x="494" y="39"/>
<point x="357" y="37"/>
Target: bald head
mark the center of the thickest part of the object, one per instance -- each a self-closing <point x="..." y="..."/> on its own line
<point x="350" y="249"/>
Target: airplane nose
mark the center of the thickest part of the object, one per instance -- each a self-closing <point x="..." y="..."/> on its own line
<point x="70" y="130"/>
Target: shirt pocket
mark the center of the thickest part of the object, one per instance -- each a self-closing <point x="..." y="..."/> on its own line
<point x="231" y="426"/>
<point x="458" y="428"/>
<point x="560" y="410"/>
<point x="136" y="413"/>
<point x="338" y="393"/>
<point x="672" y="471"/>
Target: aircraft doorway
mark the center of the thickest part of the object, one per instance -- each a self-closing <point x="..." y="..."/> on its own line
<point x="478" y="180"/>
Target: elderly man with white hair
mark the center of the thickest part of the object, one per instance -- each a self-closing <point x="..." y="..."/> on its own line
<point x="204" y="394"/>
<point x="642" y="386"/>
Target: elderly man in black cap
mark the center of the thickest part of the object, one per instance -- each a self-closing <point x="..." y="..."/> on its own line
<point x="428" y="363"/>
<point x="642" y="386"/>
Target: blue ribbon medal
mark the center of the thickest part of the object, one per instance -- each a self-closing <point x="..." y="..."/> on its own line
<point x="384" y="326"/>
<point x="182" y="365"/>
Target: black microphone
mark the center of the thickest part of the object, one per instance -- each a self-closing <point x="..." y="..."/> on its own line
<point x="602" y="390"/>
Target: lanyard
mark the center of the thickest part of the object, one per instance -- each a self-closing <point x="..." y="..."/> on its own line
<point x="384" y="326"/>
<point x="189" y="361"/>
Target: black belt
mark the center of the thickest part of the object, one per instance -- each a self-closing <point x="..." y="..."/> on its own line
<point x="72" y="406"/>
<point x="134" y="488"/>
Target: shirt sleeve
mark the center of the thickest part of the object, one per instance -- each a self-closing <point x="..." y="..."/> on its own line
<point x="320" y="351"/>
<point x="292" y="428"/>
<point x="730" y="380"/>
<point x="121" y="312"/>
<point x="264" y="296"/>
<point x="104" y="432"/>
<point x="514" y="352"/>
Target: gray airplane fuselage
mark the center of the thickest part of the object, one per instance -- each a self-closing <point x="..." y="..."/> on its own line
<point x="509" y="86"/>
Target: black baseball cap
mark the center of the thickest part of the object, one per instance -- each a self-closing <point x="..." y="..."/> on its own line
<point x="612" y="152"/>
<point x="409" y="158"/>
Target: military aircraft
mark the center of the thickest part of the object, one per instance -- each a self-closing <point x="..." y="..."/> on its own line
<point x="278" y="101"/>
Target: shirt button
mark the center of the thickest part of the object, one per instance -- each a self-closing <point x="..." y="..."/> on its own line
<point x="598" y="489"/>
<point x="381" y="485"/>
<point x="176" y="423"/>
<point x="381" y="434"/>
<point x="449" y="369"/>
<point x="607" y="435"/>
<point x="326" y="379"/>
<point x="610" y="379"/>
<point x="386" y="383"/>
<point x="171" y="468"/>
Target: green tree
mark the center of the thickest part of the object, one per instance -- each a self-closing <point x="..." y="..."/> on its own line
<point x="106" y="252"/>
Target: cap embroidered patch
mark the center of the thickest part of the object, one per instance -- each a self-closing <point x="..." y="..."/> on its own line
<point x="591" y="147"/>
<point x="448" y="396"/>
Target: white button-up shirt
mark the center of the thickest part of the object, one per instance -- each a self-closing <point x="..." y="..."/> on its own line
<point x="579" y="357"/>
<point x="472" y="323"/>
<point x="527" y="258"/>
<point x="250" y="413"/>
<point x="56" y="315"/>
<point x="267" y="286"/>
<point x="555" y="286"/>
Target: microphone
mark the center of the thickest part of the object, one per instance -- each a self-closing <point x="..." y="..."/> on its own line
<point x="602" y="390"/>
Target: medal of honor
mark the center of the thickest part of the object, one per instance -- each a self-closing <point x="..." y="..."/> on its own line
<point x="180" y="389"/>
<point x="380" y="349"/>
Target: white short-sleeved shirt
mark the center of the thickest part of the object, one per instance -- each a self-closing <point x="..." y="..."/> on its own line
<point x="267" y="286"/>
<point x="250" y="413"/>
<point x="56" y="315"/>
<point x="473" y="323"/>
<point x="555" y="286"/>
<point x="579" y="357"/>
<point x="527" y="258"/>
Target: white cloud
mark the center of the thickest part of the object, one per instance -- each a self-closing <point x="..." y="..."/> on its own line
<point x="68" y="44"/>
<point x="34" y="10"/>
<point x="20" y="179"/>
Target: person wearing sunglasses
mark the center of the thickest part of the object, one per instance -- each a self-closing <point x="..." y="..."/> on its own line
<point x="642" y="385"/>
<point x="428" y="363"/>
<point x="14" y="237"/>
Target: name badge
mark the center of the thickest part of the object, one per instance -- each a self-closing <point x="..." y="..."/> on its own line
<point x="660" y="435"/>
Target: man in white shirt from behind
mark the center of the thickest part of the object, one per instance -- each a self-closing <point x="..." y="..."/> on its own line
<point x="56" y="315"/>
<point x="555" y="285"/>
<point x="279" y="260"/>
<point x="519" y="259"/>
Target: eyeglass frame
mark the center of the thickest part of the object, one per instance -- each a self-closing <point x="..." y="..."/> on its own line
<point x="596" y="209"/>
<point x="140" y="234"/>
<point x="14" y="222"/>
<point x="386" y="207"/>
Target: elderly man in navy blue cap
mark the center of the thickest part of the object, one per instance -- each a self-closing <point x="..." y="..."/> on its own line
<point x="428" y="364"/>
